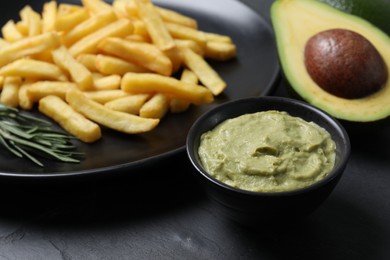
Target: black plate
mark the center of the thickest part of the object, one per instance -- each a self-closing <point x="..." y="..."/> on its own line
<point x="252" y="73"/>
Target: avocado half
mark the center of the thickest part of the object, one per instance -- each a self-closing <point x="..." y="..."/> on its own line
<point x="294" y="23"/>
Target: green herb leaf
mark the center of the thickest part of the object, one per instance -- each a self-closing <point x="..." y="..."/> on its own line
<point x="25" y="136"/>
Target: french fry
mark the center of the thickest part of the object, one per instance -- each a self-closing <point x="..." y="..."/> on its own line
<point x="120" y="8"/>
<point x="89" y="43"/>
<point x="92" y="24"/>
<point x="70" y="120"/>
<point x="22" y="28"/>
<point x="137" y="38"/>
<point x="9" y="94"/>
<point x="49" y="16"/>
<point x="28" y="46"/>
<point x="155" y="107"/>
<point x="132" y="8"/>
<point x="175" y="17"/>
<point x="65" y="8"/>
<point x="32" y="19"/>
<point x="220" y="51"/>
<point x="185" y="33"/>
<point x="193" y="45"/>
<point x="41" y="89"/>
<point x="68" y="21"/>
<point x="25" y="100"/>
<point x="155" y="26"/>
<point x="78" y="72"/>
<point x="96" y="6"/>
<point x="104" y="96"/>
<point x="119" y="121"/>
<point x="216" y="37"/>
<point x="144" y="54"/>
<point x="88" y="60"/>
<point x="107" y="82"/>
<point x="140" y="29"/>
<point x="152" y="83"/>
<point x="112" y="65"/>
<point x="10" y="32"/>
<point x="206" y="74"/>
<point x="129" y="104"/>
<point x="177" y="105"/>
<point x="3" y="43"/>
<point x="33" y="69"/>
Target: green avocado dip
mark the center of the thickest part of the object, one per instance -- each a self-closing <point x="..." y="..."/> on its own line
<point x="267" y="151"/>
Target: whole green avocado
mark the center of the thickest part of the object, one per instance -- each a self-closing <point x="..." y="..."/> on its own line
<point x="323" y="50"/>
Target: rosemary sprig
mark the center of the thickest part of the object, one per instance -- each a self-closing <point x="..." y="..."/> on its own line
<point x="26" y="136"/>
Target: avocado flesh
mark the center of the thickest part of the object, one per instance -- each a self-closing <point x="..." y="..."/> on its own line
<point x="294" y="22"/>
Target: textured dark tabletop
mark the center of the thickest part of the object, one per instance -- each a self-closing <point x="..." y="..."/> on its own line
<point x="169" y="217"/>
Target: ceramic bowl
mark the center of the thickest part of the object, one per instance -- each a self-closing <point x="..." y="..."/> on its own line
<point x="259" y="208"/>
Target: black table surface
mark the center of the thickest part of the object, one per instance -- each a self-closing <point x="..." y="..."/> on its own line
<point x="170" y="217"/>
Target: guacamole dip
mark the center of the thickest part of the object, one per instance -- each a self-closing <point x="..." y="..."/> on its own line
<point x="267" y="151"/>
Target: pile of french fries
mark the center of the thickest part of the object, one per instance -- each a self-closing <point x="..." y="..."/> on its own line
<point x="123" y="65"/>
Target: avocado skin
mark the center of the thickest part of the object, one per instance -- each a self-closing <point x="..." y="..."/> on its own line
<point x="294" y="22"/>
<point x="375" y="11"/>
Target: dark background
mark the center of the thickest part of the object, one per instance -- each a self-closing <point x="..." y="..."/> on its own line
<point x="163" y="213"/>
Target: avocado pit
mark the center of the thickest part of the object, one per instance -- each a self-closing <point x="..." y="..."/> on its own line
<point x="345" y="64"/>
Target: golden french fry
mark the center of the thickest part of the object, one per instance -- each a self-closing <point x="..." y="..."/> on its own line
<point x="88" y="60"/>
<point x="72" y="121"/>
<point x="3" y="43"/>
<point x="152" y="83"/>
<point x="68" y="21"/>
<point x="10" y="32"/>
<point x="25" y="100"/>
<point x="92" y="24"/>
<point x="28" y="46"/>
<point x="185" y="33"/>
<point x="41" y="89"/>
<point x="206" y="74"/>
<point x="49" y="16"/>
<point x="33" y="69"/>
<point x="10" y="92"/>
<point x="32" y="19"/>
<point x="175" y="17"/>
<point x="96" y="6"/>
<point x="97" y="75"/>
<point x="22" y="28"/>
<point x="215" y="37"/>
<point x="176" y="58"/>
<point x="112" y="65"/>
<point x="132" y="9"/>
<point x="137" y="38"/>
<point x="193" y="45"/>
<point x="221" y="51"/>
<point x="107" y="82"/>
<point x="78" y="72"/>
<point x="119" y="7"/>
<point x="155" y="26"/>
<point x="177" y="105"/>
<point x="89" y="43"/>
<point x="140" y="29"/>
<point x="65" y="8"/>
<point x="104" y="96"/>
<point x="156" y="107"/>
<point x="129" y="104"/>
<point x="144" y="54"/>
<point x="119" y="121"/>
